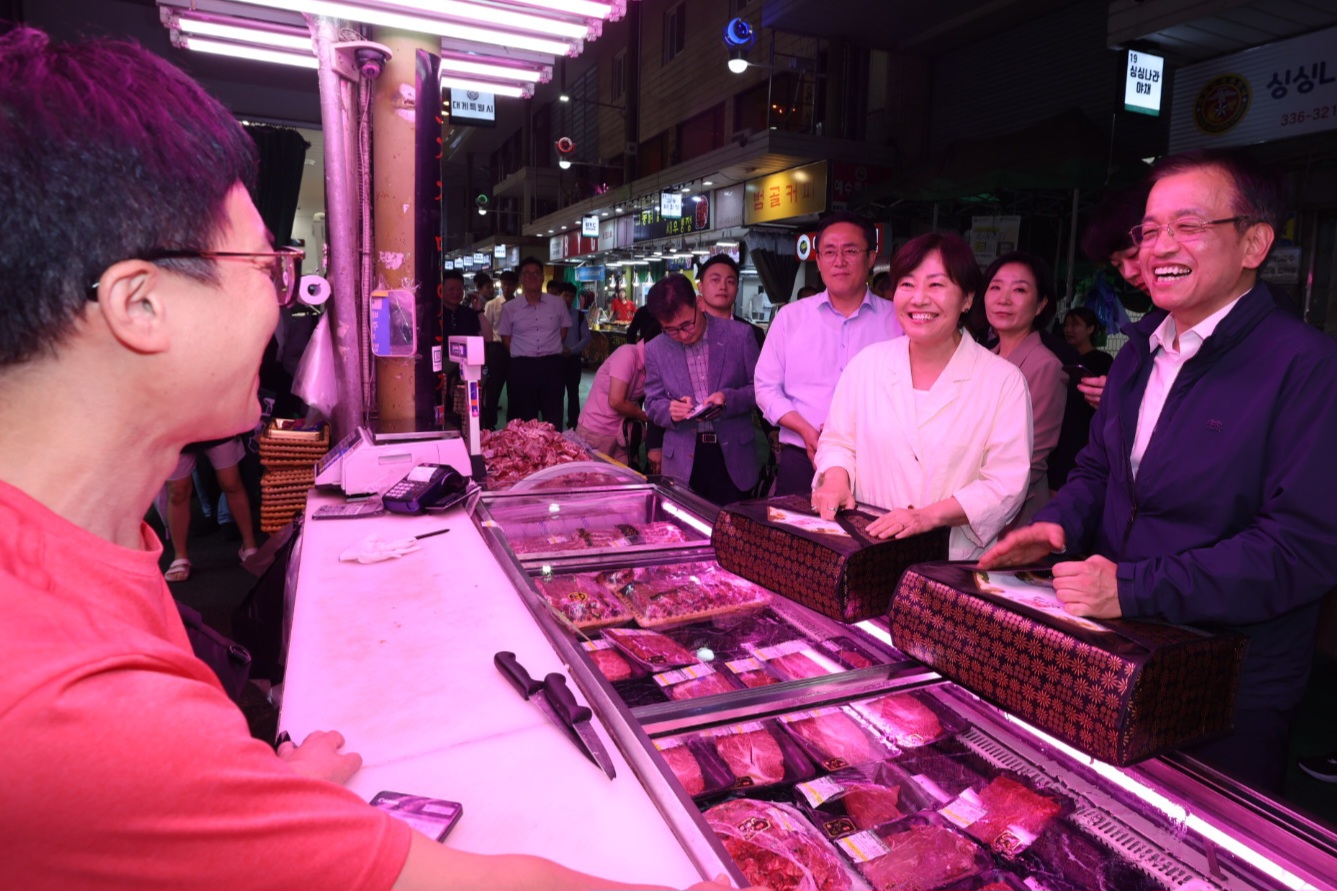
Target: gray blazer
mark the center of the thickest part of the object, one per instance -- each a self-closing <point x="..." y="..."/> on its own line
<point x="733" y="359"/>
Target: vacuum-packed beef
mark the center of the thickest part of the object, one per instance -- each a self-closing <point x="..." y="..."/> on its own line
<point x="775" y="846"/>
<point x="907" y="720"/>
<point x="923" y="856"/>
<point x="755" y="754"/>
<point x="686" y="768"/>
<point x="836" y="740"/>
<point x="1013" y="814"/>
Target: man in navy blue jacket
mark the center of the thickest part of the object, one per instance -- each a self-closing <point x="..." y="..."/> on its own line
<point x="1208" y="493"/>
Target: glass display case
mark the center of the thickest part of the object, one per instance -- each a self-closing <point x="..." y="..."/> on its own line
<point x="810" y="753"/>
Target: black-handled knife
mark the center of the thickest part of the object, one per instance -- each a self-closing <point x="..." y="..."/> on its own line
<point x="554" y="699"/>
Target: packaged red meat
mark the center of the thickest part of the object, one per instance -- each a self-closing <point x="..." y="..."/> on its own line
<point x="794" y="660"/>
<point x="860" y="798"/>
<point x="758" y="753"/>
<point x="693" y="682"/>
<point x="598" y="538"/>
<point x="910" y="719"/>
<point x="836" y="737"/>
<point x="610" y="661"/>
<point x="650" y="649"/>
<point x="1006" y="814"/>
<point x="944" y="770"/>
<point x="684" y="592"/>
<point x="523" y="447"/>
<point x="848" y="653"/>
<point x="917" y="854"/>
<point x="776" y="847"/>
<point x="697" y="768"/>
<point x="751" y="672"/>
<point x="583" y="600"/>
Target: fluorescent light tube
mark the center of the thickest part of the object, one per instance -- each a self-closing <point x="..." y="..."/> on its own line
<point x="241" y="51"/>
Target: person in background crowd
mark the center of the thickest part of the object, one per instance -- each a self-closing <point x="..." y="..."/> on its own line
<point x="1205" y="495"/>
<point x="573" y="349"/>
<point x="806" y="291"/>
<point x="1106" y="240"/>
<point x="456" y="318"/>
<point x="226" y="460"/>
<point x="126" y="765"/>
<point x="1019" y="302"/>
<point x="554" y="287"/>
<point x="533" y="329"/>
<point x="717" y="284"/>
<point x="498" y="359"/>
<point x="615" y="396"/>
<point x="882" y="285"/>
<point x="643" y="326"/>
<point x="812" y="341"/>
<point x="623" y="309"/>
<point x="1080" y="328"/>
<point x="701" y="359"/>
<point x="931" y="426"/>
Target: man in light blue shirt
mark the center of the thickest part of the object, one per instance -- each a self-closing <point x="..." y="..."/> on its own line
<point x="533" y="329"/>
<point x="811" y="341"/>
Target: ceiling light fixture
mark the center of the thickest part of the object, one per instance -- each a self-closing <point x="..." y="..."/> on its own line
<point x="298" y="42"/>
<point x="242" y="51"/>
<point x="514" y="91"/>
<point x="490" y="69"/>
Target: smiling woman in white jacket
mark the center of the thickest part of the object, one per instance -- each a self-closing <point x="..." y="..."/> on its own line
<point x="931" y="427"/>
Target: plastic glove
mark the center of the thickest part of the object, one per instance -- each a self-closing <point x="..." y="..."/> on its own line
<point x="374" y="549"/>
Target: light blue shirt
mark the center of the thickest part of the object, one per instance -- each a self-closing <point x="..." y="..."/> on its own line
<point x="807" y="347"/>
<point x="534" y="329"/>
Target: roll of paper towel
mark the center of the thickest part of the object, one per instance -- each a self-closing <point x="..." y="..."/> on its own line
<point x="313" y="290"/>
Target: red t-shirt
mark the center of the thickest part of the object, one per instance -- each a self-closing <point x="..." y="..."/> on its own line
<point x="623" y="310"/>
<point x="124" y="765"/>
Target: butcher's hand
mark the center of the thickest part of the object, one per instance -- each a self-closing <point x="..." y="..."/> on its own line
<point x="1088" y="587"/>
<point x="1092" y="388"/>
<point x="901" y="523"/>
<point x="1023" y="546"/>
<point x="680" y="408"/>
<point x="319" y="757"/>
<point x="833" y="494"/>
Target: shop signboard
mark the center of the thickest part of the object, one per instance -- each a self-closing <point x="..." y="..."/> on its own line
<point x="557" y="247"/>
<point x="472" y="108"/>
<point x="589" y="226"/>
<point x="651" y="223"/>
<point x="499" y="252"/>
<point x="1269" y="92"/>
<point x="848" y="180"/>
<point x="789" y="193"/>
<point x="1144" y="76"/>
<point x="670" y="205"/>
<point x="728" y="207"/>
<point x="608" y="234"/>
<point x="990" y="236"/>
<point x="590" y="273"/>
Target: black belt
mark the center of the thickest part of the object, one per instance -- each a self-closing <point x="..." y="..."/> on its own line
<point x="708" y="438"/>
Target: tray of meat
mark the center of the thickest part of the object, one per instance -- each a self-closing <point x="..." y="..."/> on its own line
<point x="684" y="592"/>
<point x="918" y="853"/>
<point x="523" y="447"/>
<point x="1065" y="859"/>
<point x="1005" y="813"/>
<point x="997" y="880"/>
<point x="616" y="537"/>
<point x="751" y="672"/>
<point x="695" y="681"/>
<point x="759" y="753"/>
<point x="776" y="847"/>
<point x="848" y="653"/>
<point x="944" y="770"/>
<point x="793" y="660"/>
<point x="862" y="797"/>
<point x="911" y="719"/>
<point x="837" y="737"/>
<point x="585" y="602"/>
<point x="697" y="768"/>
<point x="650" y="649"/>
<point x="610" y="661"/>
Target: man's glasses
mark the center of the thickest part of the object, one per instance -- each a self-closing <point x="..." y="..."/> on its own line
<point x="848" y="254"/>
<point x="683" y="330"/>
<point x="1186" y="229"/>
<point x="280" y="265"/>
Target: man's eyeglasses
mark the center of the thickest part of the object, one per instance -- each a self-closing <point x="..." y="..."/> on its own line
<point x="1186" y="229"/>
<point x="281" y="266"/>
<point x="848" y="254"/>
<point x="683" y="330"/>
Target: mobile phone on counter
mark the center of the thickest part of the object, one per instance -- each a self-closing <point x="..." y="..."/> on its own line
<point x="349" y="511"/>
<point x="424" y="485"/>
<point x="433" y="817"/>
<point x="1077" y="372"/>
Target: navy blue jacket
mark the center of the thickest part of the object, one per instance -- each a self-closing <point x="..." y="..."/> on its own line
<point x="1232" y="520"/>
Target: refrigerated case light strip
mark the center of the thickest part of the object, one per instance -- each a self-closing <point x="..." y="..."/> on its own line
<point x="1175" y="812"/>
<point x="881" y="634"/>
<point x="1139" y="852"/>
<point x="674" y="510"/>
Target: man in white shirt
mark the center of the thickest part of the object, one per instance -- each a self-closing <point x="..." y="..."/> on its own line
<point x="533" y="328"/>
<point x="811" y="341"/>
<point x="1205" y="495"/>
<point x="498" y="360"/>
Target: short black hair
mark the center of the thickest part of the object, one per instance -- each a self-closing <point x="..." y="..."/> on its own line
<point x="453" y="275"/>
<point x="566" y="288"/>
<point x="554" y="283"/>
<point x="1260" y="194"/>
<point x="509" y="275"/>
<point x="668" y="297"/>
<point x="847" y="216"/>
<point x="715" y="260"/>
<point x="1108" y="225"/>
<point x="530" y="261"/>
<point x="482" y="280"/>
<point x="107" y="153"/>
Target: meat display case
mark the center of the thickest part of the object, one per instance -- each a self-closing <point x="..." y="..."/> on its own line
<point x="1167" y="823"/>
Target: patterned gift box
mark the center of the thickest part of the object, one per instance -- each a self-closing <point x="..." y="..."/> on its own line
<point x="840" y="572"/>
<point x="1118" y="690"/>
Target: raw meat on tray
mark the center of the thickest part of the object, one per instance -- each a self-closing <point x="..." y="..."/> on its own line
<point x="922" y="857"/>
<point x="650" y="647"/>
<point x="796" y="666"/>
<point x="775" y="846"/>
<point x="709" y="685"/>
<point x="612" y="664"/>
<point x="909" y="721"/>
<point x="836" y="739"/>
<point x="1010" y="806"/>
<point x="522" y="447"/>
<point x="583" y="600"/>
<point x="660" y="594"/>
<point x="686" y="768"/>
<point x="754" y="754"/>
<point x="869" y="804"/>
<point x="623" y="535"/>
